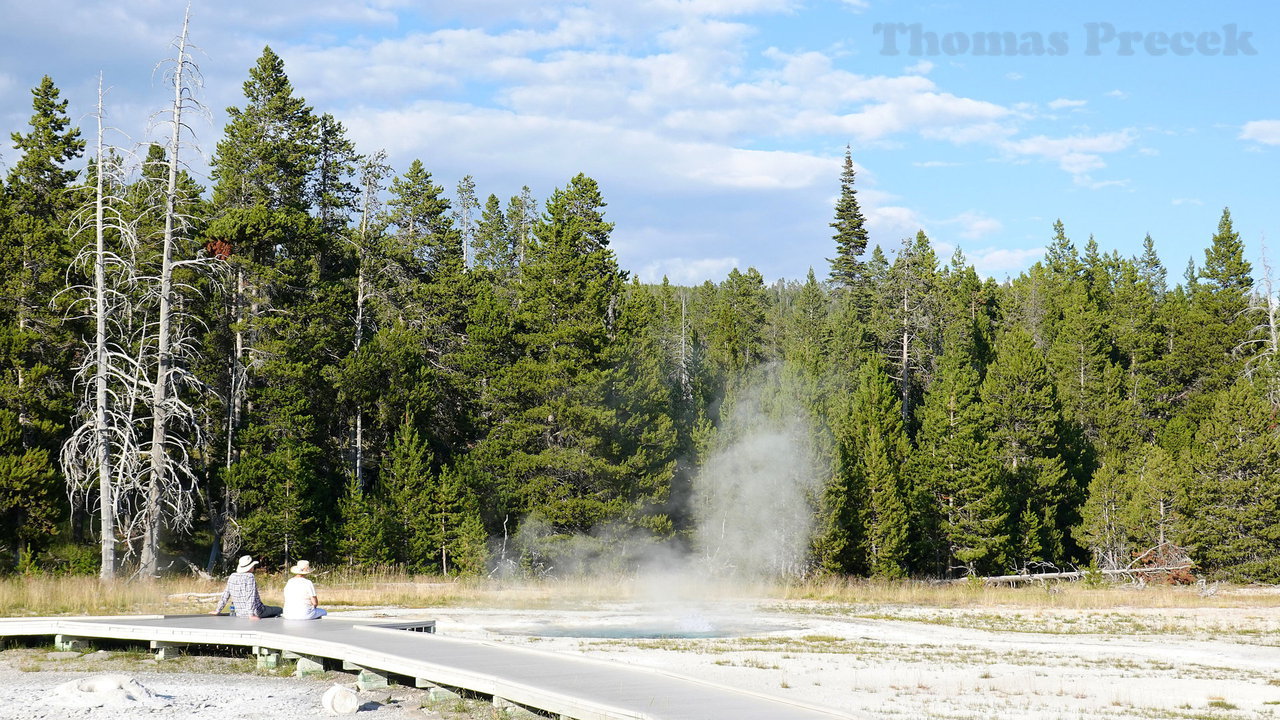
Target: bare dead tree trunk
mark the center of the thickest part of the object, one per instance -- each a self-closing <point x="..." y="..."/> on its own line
<point x="686" y="382"/>
<point x="372" y="173"/>
<point x="160" y="402"/>
<point x="106" y="491"/>
<point x="235" y="406"/>
<point x="906" y="356"/>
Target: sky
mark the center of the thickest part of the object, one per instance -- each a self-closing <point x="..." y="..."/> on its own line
<point x="716" y="128"/>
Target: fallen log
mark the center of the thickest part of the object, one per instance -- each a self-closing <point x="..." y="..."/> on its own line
<point x="1071" y="575"/>
<point x="193" y="596"/>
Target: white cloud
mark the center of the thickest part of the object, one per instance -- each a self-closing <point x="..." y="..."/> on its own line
<point x="525" y="145"/>
<point x="857" y="5"/>
<point x="1077" y="154"/>
<point x="1064" y="103"/>
<point x="1118" y="95"/>
<point x="699" y="85"/>
<point x="1266" y="132"/>
<point x="889" y="223"/>
<point x="1015" y="76"/>
<point x="688" y="271"/>
<point x="974" y="225"/>
<point x="989" y="133"/>
<point x="924" y="67"/>
<point x="1086" y="181"/>
<point x="992" y="261"/>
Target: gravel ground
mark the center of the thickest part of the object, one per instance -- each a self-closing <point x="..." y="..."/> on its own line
<point x="898" y="662"/>
<point x="226" y="688"/>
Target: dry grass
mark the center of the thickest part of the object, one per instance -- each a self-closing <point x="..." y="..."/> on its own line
<point x="1067" y="596"/>
<point x="41" y="595"/>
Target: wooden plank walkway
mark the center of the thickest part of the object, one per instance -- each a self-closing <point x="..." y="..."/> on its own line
<point x="572" y="687"/>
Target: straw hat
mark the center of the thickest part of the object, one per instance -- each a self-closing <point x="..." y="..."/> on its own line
<point x="246" y="563"/>
<point x="302" y="568"/>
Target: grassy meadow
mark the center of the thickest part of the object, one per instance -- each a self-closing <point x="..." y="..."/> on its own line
<point x="41" y="595"/>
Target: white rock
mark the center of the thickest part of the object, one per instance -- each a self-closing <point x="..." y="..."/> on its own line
<point x="340" y="700"/>
<point x="104" y="691"/>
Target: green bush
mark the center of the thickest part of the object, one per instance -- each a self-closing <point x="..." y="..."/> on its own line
<point x="70" y="559"/>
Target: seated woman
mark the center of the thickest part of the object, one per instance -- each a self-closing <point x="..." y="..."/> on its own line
<point x="300" y="602"/>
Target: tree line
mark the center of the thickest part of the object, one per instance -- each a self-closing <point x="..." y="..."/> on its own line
<point x="319" y="357"/>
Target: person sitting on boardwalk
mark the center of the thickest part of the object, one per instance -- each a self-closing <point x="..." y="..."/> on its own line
<point x="300" y="601"/>
<point x="242" y="591"/>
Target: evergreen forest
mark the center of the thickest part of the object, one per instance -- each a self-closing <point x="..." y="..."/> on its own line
<point x="320" y="356"/>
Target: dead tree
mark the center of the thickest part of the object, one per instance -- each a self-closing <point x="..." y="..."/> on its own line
<point x="102" y="450"/>
<point x="372" y="172"/>
<point x="1265" y="335"/>
<point x="170" y="480"/>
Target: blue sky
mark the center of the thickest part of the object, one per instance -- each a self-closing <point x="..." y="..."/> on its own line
<point x="716" y="127"/>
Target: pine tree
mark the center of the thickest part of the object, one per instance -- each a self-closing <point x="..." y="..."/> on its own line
<point x="647" y="444"/>
<point x="847" y="273"/>
<point x="960" y="509"/>
<point x="421" y="215"/>
<point x="883" y="451"/>
<point x="1025" y="420"/>
<point x="1104" y="529"/>
<point x="522" y="214"/>
<point x="333" y="192"/>
<point x="464" y="208"/>
<point x="549" y="443"/>
<point x="408" y="482"/>
<point x="736" y="333"/>
<point x="363" y="537"/>
<point x="493" y="239"/>
<point x="282" y="472"/>
<point x="807" y="332"/>
<point x="1231" y="496"/>
<point x="1155" y="478"/>
<point x="906" y="323"/>
<point x="30" y="499"/>
<point x="454" y="515"/>
<point x="1220" y="300"/>
<point x="36" y="345"/>
<point x="267" y="153"/>
<point x="865" y="505"/>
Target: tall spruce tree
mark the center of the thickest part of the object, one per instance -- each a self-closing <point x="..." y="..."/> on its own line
<point x="867" y="525"/>
<point x="289" y="442"/>
<point x="1026" y="427"/>
<point x="38" y="197"/>
<point x="549" y="446"/>
<point x="847" y="273"/>
<point x="1220" y="301"/>
<point x="960" y="506"/>
<point x="1231" y="496"/>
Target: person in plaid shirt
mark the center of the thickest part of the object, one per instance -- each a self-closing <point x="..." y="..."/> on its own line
<point x="242" y="591"/>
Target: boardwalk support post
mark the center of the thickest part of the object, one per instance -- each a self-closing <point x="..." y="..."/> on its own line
<point x="70" y="643"/>
<point x="307" y="664"/>
<point x="435" y="693"/>
<point x="268" y="658"/>
<point x="368" y="679"/>
<point x="166" y="650"/>
<point x="511" y="710"/>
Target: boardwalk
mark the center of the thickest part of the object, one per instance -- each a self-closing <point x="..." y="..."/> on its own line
<point x="571" y="687"/>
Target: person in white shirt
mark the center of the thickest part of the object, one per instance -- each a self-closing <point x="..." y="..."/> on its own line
<point x="300" y="601"/>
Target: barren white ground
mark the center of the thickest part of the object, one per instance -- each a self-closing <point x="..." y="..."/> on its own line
<point x="880" y="662"/>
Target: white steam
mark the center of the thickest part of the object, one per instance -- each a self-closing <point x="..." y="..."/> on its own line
<point x="752" y="497"/>
<point x="752" y="503"/>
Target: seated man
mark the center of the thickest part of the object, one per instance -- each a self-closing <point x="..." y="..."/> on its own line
<point x="242" y="591"/>
<point x="300" y="601"/>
